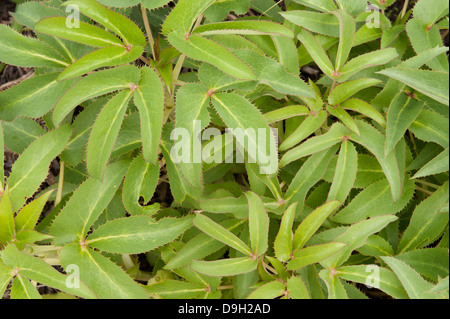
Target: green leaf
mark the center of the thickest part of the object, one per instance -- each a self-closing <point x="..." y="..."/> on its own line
<point x="19" y="99"/>
<point x="126" y="29"/>
<point x="249" y="127"/>
<point x="22" y="288"/>
<point x="373" y="140"/>
<point x="414" y="284"/>
<point x="430" y="14"/>
<point x="84" y="33"/>
<point x="86" y="204"/>
<point x="364" y="108"/>
<point x="103" y="276"/>
<point x="5" y="277"/>
<point x="220" y="233"/>
<point x="431" y="263"/>
<point x="344" y="117"/>
<point x="109" y="56"/>
<point x="258" y="224"/>
<point x="270" y="290"/>
<point x="346" y="90"/>
<point x="153" y="4"/>
<point x="321" y="5"/>
<point x="141" y="180"/>
<point x="355" y="237"/>
<point x="354" y="7"/>
<point x="28" y="216"/>
<point x="312" y="222"/>
<point x="441" y="286"/>
<point x="424" y="37"/>
<point x="283" y="242"/>
<point x="20" y="50"/>
<point x="429" y="126"/>
<point x="376" y="246"/>
<point x="323" y="23"/>
<point x="31" y="169"/>
<point x="316" y="144"/>
<point x="347" y="29"/>
<point x="104" y="133"/>
<point x="38" y="270"/>
<point x="383" y="278"/>
<point x="201" y="246"/>
<point x="402" y="112"/>
<point x="308" y="126"/>
<point x="297" y="288"/>
<point x="374" y="200"/>
<point x="225" y="267"/>
<point x="431" y="83"/>
<point x="94" y="85"/>
<point x="335" y="287"/>
<point x="183" y="16"/>
<point x="145" y="234"/>
<point x="367" y="60"/>
<point x="313" y="254"/>
<point x="242" y="27"/>
<point x="427" y="223"/>
<point x="317" y="52"/>
<point x="2" y="151"/>
<point x="7" y="230"/>
<point x="286" y="113"/>
<point x="437" y="165"/>
<point x="205" y="50"/>
<point x="175" y="289"/>
<point x="149" y="99"/>
<point x="345" y="173"/>
<point x="274" y="74"/>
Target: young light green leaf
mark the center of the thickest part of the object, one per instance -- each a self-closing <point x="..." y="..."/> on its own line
<point x="335" y="287"/>
<point x="344" y="117"/>
<point x="149" y="99"/>
<point x="38" y="270"/>
<point x="431" y="127"/>
<point x="430" y="14"/>
<point x="309" y="125"/>
<point x="373" y="140"/>
<point x="84" y="33"/>
<point x="31" y="169"/>
<point x="414" y="284"/>
<point x="258" y="224"/>
<point x="7" y="230"/>
<point x="5" y="277"/>
<point x="104" y="277"/>
<point x="175" y="289"/>
<point x="225" y="267"/>
<point x="346" y="90"/>
<point x="313" y="254"/>
<point x="20" y="50"/>
<point x="220" y="233"/>
<point x="364" y="108"/>
<point x="387" y="280"/>
<point x="376" y="246"/>
<point x="86" y="204"/>
<point x="243" y="27"/>
<point x="437" y="165"/>
<point x="108" y="56"/>
<point x="19" y="100"/>
<point x="93" y="85"/>
<point x="126" y="29"/>
<point x="345" y="173"/>
<point x="28" y="216"/>
<point x="308" y="175"/>
<point x="402" y="112"/>
<point x="316" y="144"/>
<point x="317" y="52"/>
<point x="104" y="134"/>
<point x="427" y="223"/>
<point x="286" y="113"/>
<point x="321" y="5"/>
<point x="374" y="200"/>
<point x="183" y="16"/>
<point x="22" y="288"/>
<point x="205" y="50"/>
<point x="141" y="180"/>
<point x="297" y="288"/>
<point x="441" y="286"/>
<point x="323" y="23"/>
<point x="355" y="236"/>
<point x="312" y="222"/>
<point x="283" y="242"/>
<point x="145" y="234"/>
<point x="270" y="290"/>
<point x="431" y="83"/>
<point x="347" y="29"/>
